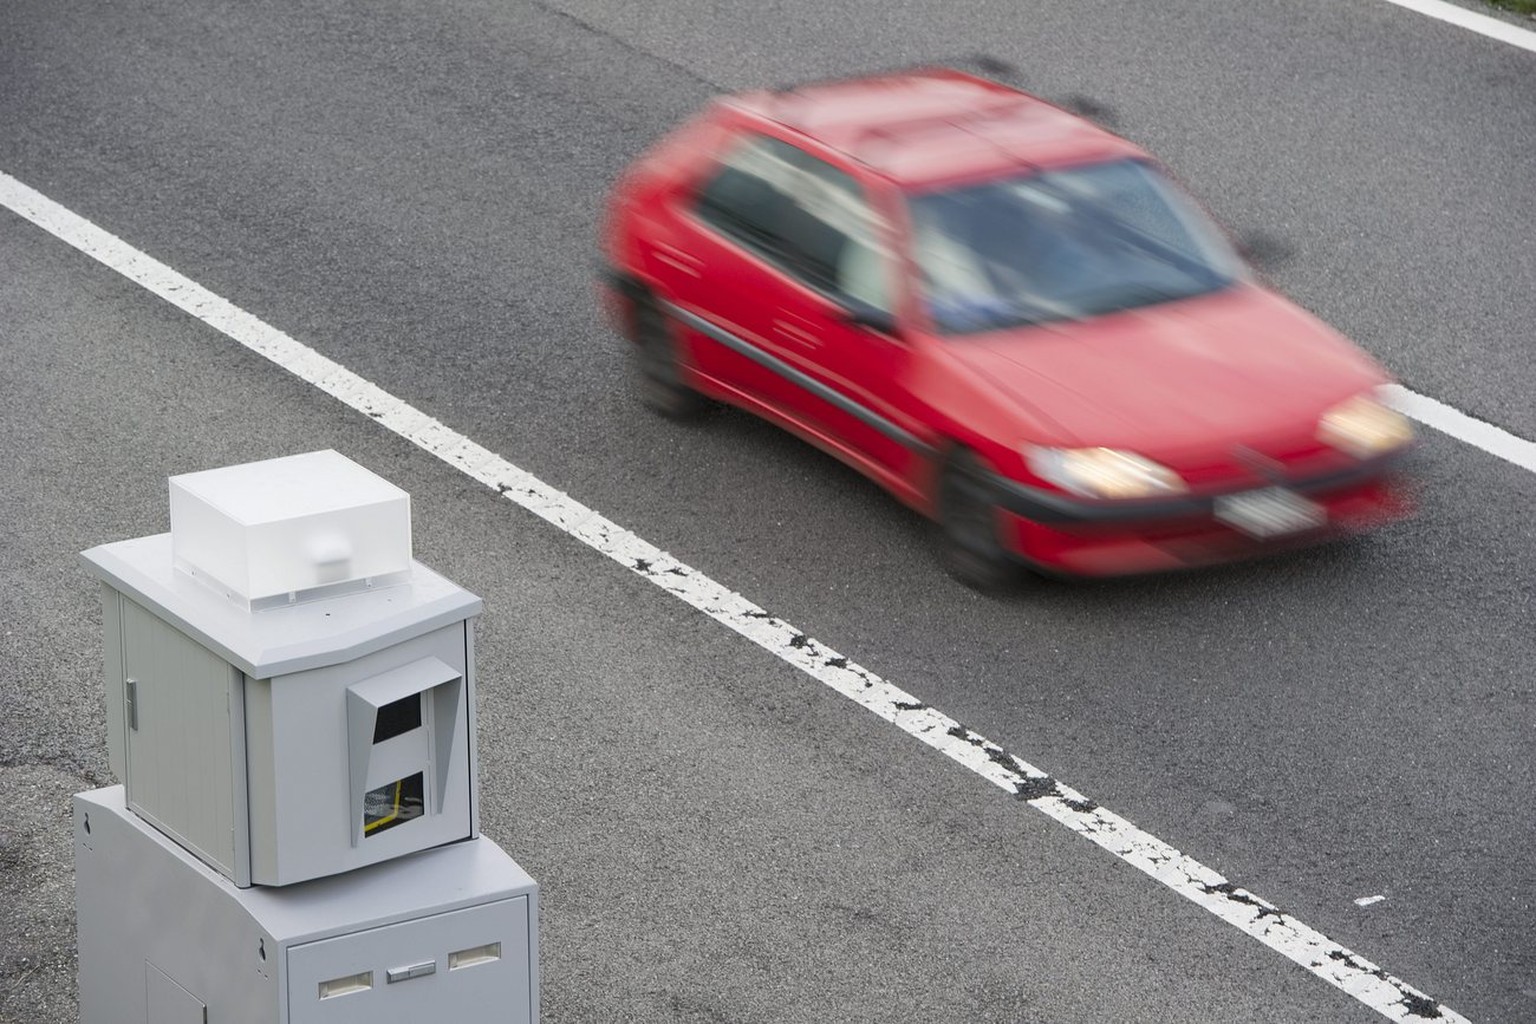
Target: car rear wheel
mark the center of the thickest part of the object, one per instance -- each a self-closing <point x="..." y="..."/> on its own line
<point x="969" y="544"/>
<point x="661" y="381"/>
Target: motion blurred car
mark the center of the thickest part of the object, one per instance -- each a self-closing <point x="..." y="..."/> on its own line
<point x="1005" y="315"/>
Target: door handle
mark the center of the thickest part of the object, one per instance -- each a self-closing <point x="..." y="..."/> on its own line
<point x="677" y="259"/>
<point x="131" y="702"/>
<point x="796" y="333"/>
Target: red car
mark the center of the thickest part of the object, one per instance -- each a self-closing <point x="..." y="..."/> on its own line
<point x="1005" y="315"/>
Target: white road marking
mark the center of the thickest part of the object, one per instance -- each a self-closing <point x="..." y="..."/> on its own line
<point x="1365" y="901"/>
<point x="1482" y="24"/>
<point x="1478" y="433"/>
<point x="1346" y="970"/>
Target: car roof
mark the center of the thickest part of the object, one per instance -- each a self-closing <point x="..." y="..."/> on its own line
<point x="933" y="126"/>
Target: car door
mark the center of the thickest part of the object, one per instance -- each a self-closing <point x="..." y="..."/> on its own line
<point x="722" y="267"/>
<point x="784" y="245"/>
<point x="858" y="365"/>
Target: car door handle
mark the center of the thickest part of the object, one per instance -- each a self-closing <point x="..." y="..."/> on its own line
<point x="795" y="333"/>
<point x="677" y="259"/>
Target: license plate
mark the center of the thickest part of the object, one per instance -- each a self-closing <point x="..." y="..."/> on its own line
<point x="1272" y="512"/>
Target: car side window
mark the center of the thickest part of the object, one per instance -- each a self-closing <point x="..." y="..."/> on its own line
<point x="802" y="214"/>
<point x="747" y="196"/>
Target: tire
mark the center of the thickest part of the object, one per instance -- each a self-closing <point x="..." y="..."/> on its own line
<point x="969" y="545"/>
<point x="661" y="381"/>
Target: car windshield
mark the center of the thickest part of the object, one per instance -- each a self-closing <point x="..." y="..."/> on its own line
<point x="1063" y="245"/>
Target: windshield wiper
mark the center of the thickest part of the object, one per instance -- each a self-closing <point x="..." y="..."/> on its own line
<point x="960" y="318"/>
<point x="1123" y="230"/>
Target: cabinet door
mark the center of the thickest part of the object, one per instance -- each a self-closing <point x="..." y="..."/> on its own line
<point x="184" y="768"/>
<point x="464" y="965"/>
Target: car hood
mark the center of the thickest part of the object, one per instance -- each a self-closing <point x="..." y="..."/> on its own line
<point x="1177" y="376"/>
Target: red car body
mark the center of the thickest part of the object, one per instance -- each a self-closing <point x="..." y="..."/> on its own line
<point x="1225" y="389"/>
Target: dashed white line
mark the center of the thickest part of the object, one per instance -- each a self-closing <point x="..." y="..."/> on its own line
<point x="1482" y="24"/>
<point x="1346" y="970"/>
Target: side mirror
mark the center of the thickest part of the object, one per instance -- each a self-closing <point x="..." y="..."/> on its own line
<point x="1264" y="250"/>
<point x="870" y="318"/>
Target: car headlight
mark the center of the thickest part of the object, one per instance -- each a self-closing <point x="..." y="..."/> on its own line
<point x="1363" y="426"/>
<point x="1103" y="472"/>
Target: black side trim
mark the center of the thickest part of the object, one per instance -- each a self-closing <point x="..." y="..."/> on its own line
<point x="836" y="398"/>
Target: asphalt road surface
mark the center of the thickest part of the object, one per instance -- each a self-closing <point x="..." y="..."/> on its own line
<point x="412" y="189"/>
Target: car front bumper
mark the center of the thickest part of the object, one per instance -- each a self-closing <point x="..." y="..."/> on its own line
<point x="1074" y="537"/>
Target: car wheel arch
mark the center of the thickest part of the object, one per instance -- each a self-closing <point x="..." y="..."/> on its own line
<point x="972" y="551"/>
<point x="632" y="289"/>
<point x="666" y="388"/>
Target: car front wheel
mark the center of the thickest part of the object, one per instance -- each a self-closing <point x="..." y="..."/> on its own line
<point x="969" y="544"/>
<point x="661" y="382"/>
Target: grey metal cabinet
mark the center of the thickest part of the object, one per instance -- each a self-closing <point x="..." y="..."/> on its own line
<point x="265" y="741"/>
<point x="406" y="973"/>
